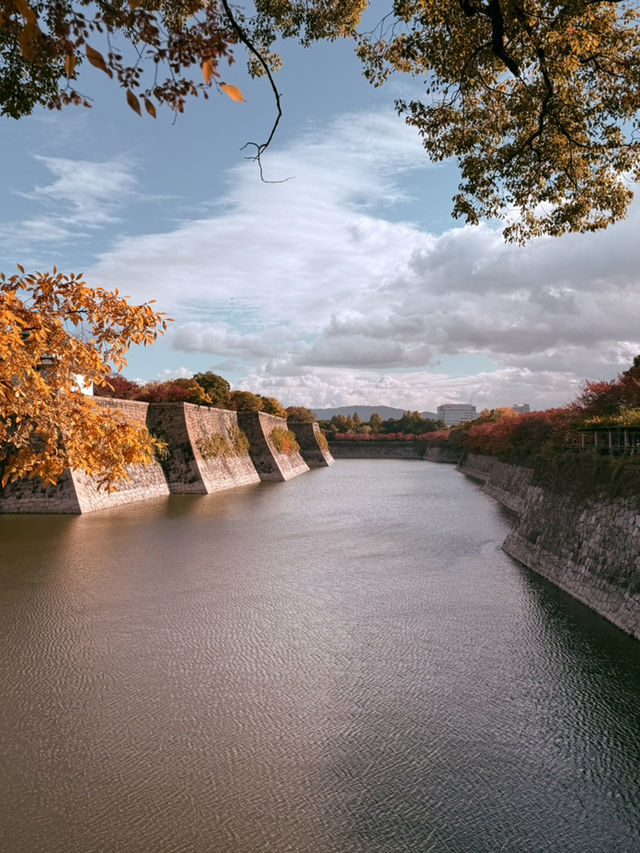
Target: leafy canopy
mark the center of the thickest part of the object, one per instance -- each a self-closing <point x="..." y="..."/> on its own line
<point x="537" y="101"/>
<point x="56" y="334"/>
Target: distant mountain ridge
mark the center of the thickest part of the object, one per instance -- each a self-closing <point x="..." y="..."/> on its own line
<point x="365" y="412"/>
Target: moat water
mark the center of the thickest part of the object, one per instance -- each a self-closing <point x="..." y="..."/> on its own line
<point x="344" y="663"/>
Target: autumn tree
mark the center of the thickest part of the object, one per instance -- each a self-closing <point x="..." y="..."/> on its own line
<point x="245" y="401"/>
<point x="217" y="388"/>
<point x="537" y="101"/>
<point x="272" y="406"/>
<point x="300" y="415"/>
<point x="119" y="386"/>
<point x="603" y="398"/>
<point x="56" y="335"/>
<point x="376" y="422"/>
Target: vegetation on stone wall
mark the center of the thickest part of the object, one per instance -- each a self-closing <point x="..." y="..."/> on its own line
<point x="239" y="441"/>
<point x="322" y="440"/>
<point x="161" y="449"/>
<point x="216" y="445"/>
<point x="284" y="441"/>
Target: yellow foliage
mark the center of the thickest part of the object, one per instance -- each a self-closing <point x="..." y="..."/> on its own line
<point x="54" y="328"/>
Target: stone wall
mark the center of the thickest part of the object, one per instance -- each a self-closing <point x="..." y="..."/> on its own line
<point x="199" y="459"/>
<point x="309" y="438"/>
<point x="34" y="496"/>
<point x="390" y="449"/>
<point x="76" y="492"/>
<point x="345" y="449"/>
<point x="441" y="454"/>
<point x="191" y="466"/>
<point x="269" y="462"/>
<point x="588" y="545"/>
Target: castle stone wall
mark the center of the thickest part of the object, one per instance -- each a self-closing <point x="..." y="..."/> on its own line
<point x="310" y="438"/>
<point x="589" y="546"/>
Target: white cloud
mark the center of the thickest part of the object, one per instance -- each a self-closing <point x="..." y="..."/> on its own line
<point x="82" y="197"/>
<point x="177" y="373"/>
<point x="326" y="299"/>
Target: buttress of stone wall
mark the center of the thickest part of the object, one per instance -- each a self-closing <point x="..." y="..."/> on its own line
<point x="33" y="496"/>
<point x="77" y="492"/>
<point x="216" y="447"/>
<point x="167" y="422"/>
<point x="145" y="481"/>
<point x="269" y="462"/>
<point x="309" y="438"/>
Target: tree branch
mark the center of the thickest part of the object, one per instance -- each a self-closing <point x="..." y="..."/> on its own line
<point x="260" y="147"/>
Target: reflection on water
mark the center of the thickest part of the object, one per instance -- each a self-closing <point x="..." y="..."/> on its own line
<point x="344" y="662"/>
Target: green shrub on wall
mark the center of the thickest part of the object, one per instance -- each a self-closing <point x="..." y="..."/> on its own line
<point x="214" y="446"/>
<point x="284" y="441"/>
<point x="322" y="440"/>
<point x="161" y="450"/>
<point x="239" y="441"/>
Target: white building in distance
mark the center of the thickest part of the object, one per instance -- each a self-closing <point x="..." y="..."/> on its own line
<point x="522" y="409"/>
<point x="456" y="413"/>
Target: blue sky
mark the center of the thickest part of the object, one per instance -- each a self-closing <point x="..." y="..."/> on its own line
<point x="347" y="284"/>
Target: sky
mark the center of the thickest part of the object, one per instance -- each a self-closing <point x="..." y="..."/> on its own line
<point x="345" y="281"/>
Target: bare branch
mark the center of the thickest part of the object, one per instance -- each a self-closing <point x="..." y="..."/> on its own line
<point x="260" y="147"/>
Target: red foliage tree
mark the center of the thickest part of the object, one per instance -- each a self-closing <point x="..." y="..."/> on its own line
<point x="120" y="387"/>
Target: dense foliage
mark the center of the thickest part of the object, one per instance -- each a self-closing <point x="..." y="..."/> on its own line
<point x="204" y="389"/>
<point x="503" y="432"/>
<point x="506" y="433"/>
<point x="57" y="335"/>
<point x="410" y="424"/>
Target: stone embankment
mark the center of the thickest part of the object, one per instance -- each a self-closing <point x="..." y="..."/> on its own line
<point x="269" y="462"/>
<point x="76" y="492"/>
<point x="202" y="456"/>
<point x="587" y="544"/>
<point x="206" y="450"/>
<point x="313" y="445"/>
<point x="390" y="449"/>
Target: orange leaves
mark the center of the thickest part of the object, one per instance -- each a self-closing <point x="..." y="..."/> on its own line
<point x="26" y="41"/>
<point x="232" y="91"/>
<point x="149" y="107"/>
<point x="46" y="423"/>
<point x="133" y="102"/>
<point x="97" y="60"/>
<point x="69" y="64"/>
<point x="30" y="31"/>
<point x="208" y="70"/>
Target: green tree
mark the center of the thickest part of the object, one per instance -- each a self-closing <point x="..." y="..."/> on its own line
<point x="245" y="401"/>
<point x="273" y="407"/>
<point x="300" y="414"/>
<point x="217" y="388"/>
<point x="375" y="422"/>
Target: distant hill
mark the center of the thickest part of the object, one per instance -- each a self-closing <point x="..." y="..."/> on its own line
<point x="365" y="412"/>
